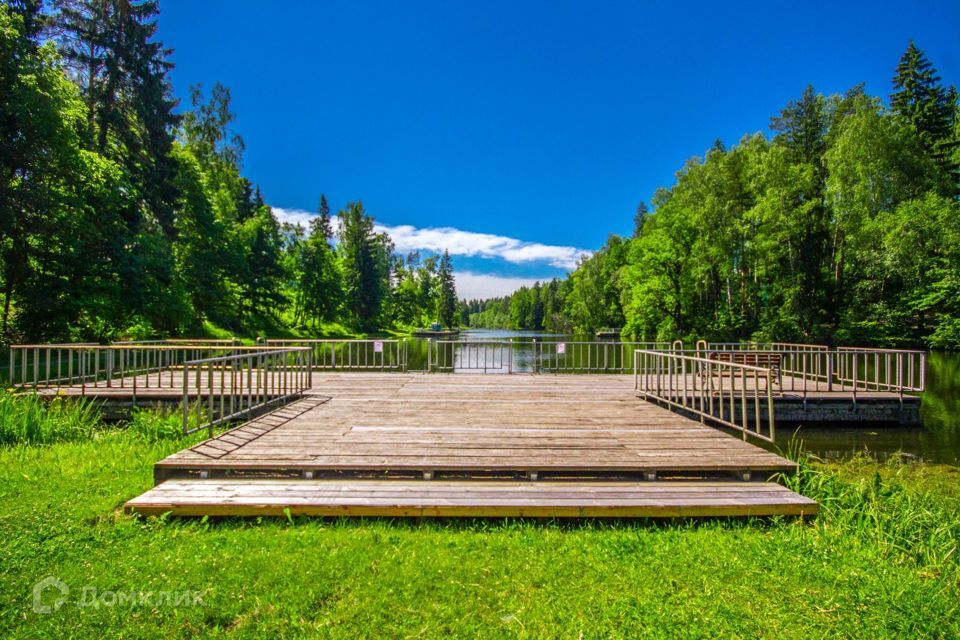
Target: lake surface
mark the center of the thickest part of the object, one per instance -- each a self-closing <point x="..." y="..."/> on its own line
<point x="938" y="440"/>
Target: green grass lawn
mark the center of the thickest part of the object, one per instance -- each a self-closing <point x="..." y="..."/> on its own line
<point x="879" y="562"/>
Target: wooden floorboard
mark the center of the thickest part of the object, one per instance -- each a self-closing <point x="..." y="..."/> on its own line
<point x="353" y="426"/>
<point x="248" y="497"/>
<point x="483" y="423"/>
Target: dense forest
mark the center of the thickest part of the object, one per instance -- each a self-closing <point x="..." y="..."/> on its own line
<point x="843" y="226"/>
<point x="122" y="215"/>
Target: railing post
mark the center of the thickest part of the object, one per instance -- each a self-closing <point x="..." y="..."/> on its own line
<point x="830" y="357"/>
<point x="186" y="402"/>
<point x="210" y="399"/>
<point x="771" y="422"/>
<point x="855" y="359"/>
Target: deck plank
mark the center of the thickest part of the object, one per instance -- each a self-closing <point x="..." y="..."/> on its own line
<point x="484" y="423"/>
<point x="247" y="497"/>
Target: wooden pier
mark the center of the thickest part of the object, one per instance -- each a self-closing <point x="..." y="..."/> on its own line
<point x="409" y="444"/>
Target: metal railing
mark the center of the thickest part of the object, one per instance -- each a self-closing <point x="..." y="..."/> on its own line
<point x="703" y="345"/>
<point x="200" y="342"/>
<point x="364" y="355"/>
<point x="738" y="396"/>
<point x="892" y="370"/>
<point x="470" y="356"/>
<point x="808" y="370"/>
<point x="227" y="388"/>
<point x="84" y="365"/>
<point x="589" y="357"/>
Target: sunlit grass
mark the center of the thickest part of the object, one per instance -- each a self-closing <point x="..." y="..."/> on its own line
<point x="876" y="563"/>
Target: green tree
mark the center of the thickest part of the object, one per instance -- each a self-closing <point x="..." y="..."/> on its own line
<point x="365" y="265"/>
<point x="319" y="285"/>
<point x="930" y="108"/>
<point x="639" y="218"/>
<point x="446" y="303"/>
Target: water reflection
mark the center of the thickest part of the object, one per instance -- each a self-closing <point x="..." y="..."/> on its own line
<point x="938" y="440"/>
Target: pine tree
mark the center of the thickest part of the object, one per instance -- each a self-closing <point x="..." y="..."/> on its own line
<point x="323" y="218"/>
<point x="365" y="265"/>
<point x="639" y="218"/>
<point x="122" y="71"/>
<point x="802" y="127"/>
<point x="922" y="101"/>
<point x="446" y="292"/>
<point x="262" y="275"/>
<point x="319" y="285"/>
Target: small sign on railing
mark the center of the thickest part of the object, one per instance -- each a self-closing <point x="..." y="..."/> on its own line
<point x="378" y="346"/>
<point x="561" y="348"/>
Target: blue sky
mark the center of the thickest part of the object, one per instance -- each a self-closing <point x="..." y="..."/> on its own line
<point x="519" y="134"/>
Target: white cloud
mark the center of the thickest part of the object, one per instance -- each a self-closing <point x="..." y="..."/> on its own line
<point x="482" y="286"/>
<point x="407" y="238"/>
<point x="293" y="216"/>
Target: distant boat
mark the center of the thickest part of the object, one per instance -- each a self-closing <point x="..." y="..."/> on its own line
<point x="608" y="333"/>
<point x="436" y="331"/>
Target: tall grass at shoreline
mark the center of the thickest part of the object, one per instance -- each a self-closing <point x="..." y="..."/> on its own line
<point x="880" y="505"/>
<point x="30" y="419"/>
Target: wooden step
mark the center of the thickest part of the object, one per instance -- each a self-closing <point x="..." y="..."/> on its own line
<point x="470" y="498"/>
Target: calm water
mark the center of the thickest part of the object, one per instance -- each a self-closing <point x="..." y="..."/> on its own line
<point x="938" y="440"/>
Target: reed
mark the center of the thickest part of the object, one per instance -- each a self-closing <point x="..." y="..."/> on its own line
<point x="29" y="419"/>
<point x="908" y="525"/>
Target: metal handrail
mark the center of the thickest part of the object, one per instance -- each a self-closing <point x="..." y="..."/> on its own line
<point x="586" y="356"/>
<point x="352" y="354"/>
<point x="232" y="387"/>
<point x="85" y="364"/>
<point x="850" y="371"/>
<point x="763" y="346"/>
<point x="470" y="355"/>
<point x="738" y="396"/>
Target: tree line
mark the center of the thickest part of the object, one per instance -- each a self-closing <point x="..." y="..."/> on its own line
<point x="120" y="216"/>
<point x="841" y="227"/>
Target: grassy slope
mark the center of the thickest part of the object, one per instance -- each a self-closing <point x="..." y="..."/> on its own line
<point x="838" y="576"/>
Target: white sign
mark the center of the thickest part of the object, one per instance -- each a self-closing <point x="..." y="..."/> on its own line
<point x="561" y="348"/>
<point x="378" y="346"/>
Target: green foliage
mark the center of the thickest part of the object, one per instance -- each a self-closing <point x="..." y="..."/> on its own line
<point x="154" y="425"/>
<point x="365" y="265"/>
<point x="446" y="293"/>
<point x="841" y="228"/>
<point x="318" y="285"/>
<point x="29" y="419"/>
<point x="539" y="308"/>
<point x="118" y="217"/>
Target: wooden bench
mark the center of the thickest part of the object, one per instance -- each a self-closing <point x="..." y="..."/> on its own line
<point x="763" y="359"/>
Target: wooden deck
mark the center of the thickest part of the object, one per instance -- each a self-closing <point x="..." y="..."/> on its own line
<point x="437" y="423"/>
<point x="456" y="445"/>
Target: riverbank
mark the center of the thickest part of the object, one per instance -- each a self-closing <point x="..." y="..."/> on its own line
<point x="879" y="561"/>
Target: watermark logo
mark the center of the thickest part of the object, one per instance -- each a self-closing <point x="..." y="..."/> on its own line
<point x="49" y="594"/>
